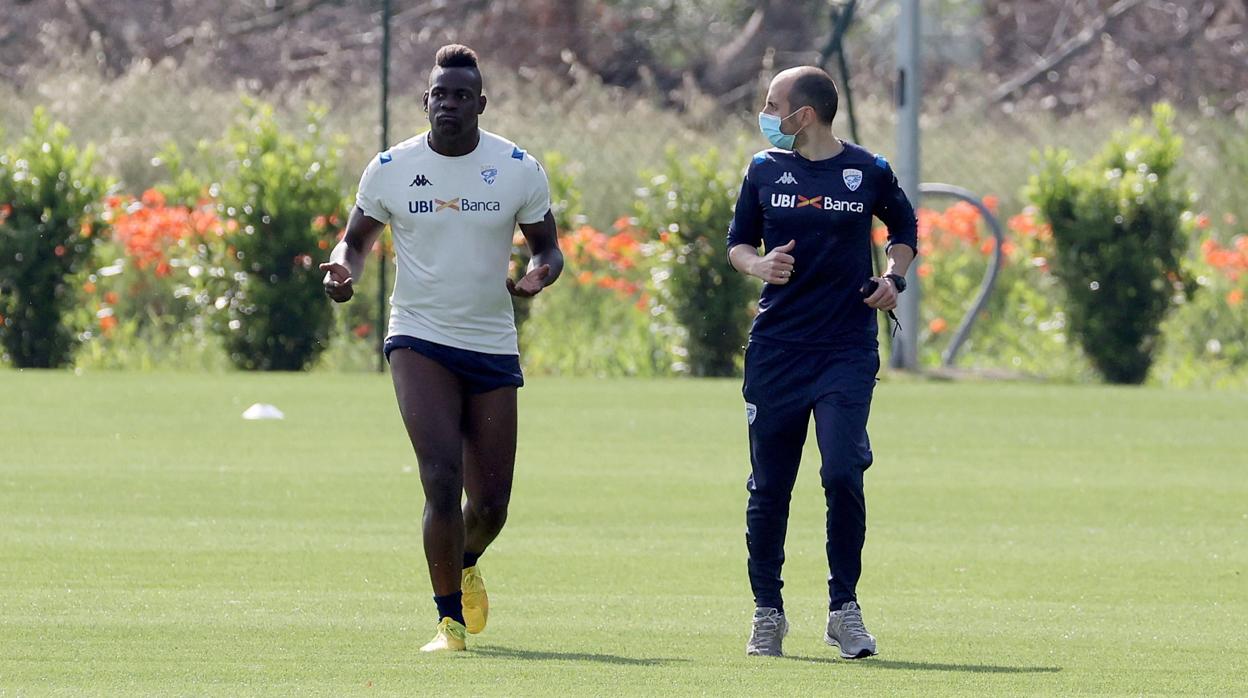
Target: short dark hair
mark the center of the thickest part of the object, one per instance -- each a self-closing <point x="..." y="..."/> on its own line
<point x="456" y="56"/>
<point x="815" y="88"/>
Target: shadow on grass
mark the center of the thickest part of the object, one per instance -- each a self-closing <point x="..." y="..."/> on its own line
<point x="875" y="662"/>
<point x="509" y="653"/>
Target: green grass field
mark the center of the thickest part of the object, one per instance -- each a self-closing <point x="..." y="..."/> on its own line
<point x="1023" y="539"/>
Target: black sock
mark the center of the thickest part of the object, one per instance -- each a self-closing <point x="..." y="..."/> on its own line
<point x="470" y="559"/>
<point x="451" y="606"/>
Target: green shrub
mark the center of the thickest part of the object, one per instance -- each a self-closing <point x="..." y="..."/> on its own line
<point x="599" y="320"/>
<point x="565" y="206"/>
<point x="1119" y="240"/>
<point x="49" y="208"/>
<point x="1207" y="336"/>
<point x="688" y="205"/>
<point x="1022" y="327"/>
<point x="281" y="188"/>
<point x="153" y="284"/>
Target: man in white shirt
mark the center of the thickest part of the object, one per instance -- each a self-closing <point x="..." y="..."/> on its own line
<point x="452" y="197"/>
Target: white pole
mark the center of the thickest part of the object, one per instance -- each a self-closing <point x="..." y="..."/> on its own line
<point x="905" y="354"/>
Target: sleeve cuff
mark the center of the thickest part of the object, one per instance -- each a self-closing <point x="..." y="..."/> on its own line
<point x="372" y="212"/>
<point x="913" y="247"/>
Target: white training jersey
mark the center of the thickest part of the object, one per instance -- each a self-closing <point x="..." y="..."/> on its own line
<point x="453" y="219"/>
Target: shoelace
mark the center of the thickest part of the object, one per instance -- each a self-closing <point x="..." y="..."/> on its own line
<point x="767" y="627"/>
<point x="445" y="628"/>
<point x="851" y="621"/>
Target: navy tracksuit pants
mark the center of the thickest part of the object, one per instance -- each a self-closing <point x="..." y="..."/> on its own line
<point x="783" y="387"/>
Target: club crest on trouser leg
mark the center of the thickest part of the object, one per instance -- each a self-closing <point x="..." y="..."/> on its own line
<point x="852" y="177"/>
<point x="751" y="411"/>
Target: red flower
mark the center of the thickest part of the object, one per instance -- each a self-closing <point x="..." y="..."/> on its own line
<point x="153" y="228"/>
<point x="153" y="199"/>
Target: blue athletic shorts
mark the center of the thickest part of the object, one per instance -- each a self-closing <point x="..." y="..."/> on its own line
<point x="480" y="372"/>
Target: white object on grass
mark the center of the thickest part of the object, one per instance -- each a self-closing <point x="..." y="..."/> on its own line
<point x="262" y="411"/>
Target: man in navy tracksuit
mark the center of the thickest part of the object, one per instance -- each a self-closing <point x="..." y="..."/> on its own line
<point x="810" y="201"/>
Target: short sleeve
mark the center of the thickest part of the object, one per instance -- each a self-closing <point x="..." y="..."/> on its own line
<point x="746" y="227"/>
<point x="537" y="199"/>
<point x="368" y="197"/>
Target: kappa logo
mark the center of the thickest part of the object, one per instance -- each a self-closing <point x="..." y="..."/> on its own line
<point x="787" y="178"/>
<point x="751" y="411"/>
<point x="489" y="173"/>
<point x="420" y="181"/>
<point x="852" y="177"/>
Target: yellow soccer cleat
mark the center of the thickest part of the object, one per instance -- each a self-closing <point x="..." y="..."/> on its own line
<point x="450" y="638"/>
<point x="476" y="602"/>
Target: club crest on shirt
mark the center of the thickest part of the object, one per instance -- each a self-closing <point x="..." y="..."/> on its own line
<point x="489" y="173"/>
<point x="852" y="177"/>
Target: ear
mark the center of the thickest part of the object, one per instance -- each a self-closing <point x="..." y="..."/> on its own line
<point x="814" y="116"/>
<point x="481" y="105"/>
<point x="424" y="100"/>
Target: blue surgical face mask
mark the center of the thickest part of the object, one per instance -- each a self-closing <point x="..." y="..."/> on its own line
<point x="769" y="124"/>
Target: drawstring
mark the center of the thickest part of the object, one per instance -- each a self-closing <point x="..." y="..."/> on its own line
<point x="896" y="323"/>
<point x="870" y="288"/>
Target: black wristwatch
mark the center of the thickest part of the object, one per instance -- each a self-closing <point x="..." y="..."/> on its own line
<point x="899" y="282"/>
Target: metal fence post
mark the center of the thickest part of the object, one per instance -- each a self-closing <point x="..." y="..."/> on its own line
<point x="385" y="143"/>
<point x="905" y="352"/>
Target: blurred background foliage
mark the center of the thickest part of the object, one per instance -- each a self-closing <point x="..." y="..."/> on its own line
<point x="603" y="90"/>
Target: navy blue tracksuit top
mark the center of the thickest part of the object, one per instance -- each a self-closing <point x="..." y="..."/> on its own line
<point x="827" y="207"/>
